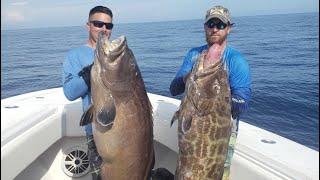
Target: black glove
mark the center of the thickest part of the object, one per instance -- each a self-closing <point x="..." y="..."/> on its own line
<point x="235" y="113"/>
<point x="85" y="73"/>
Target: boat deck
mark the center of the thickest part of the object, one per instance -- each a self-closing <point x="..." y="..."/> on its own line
<point x="48" y="165"/>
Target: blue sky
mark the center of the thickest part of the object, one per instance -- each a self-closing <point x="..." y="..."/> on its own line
<point x="16" y="14"/>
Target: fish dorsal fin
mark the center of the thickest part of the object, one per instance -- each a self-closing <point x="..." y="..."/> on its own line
<point x="151" y="110"/>
<point x="175" y="117"/>
<point x="106" y="114"/>
<point x="87" y="116"/>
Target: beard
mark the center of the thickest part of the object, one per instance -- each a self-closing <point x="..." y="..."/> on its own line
<point x="212" y="39"/>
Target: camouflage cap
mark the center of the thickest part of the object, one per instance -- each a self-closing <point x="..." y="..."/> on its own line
<point x="218" y="12"/>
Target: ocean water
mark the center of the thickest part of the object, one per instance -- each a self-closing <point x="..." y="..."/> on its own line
<point x="282" y="51"/>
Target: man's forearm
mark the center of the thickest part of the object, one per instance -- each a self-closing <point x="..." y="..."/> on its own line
<point x="74" y="88"/>
<point x="240" y="103"/>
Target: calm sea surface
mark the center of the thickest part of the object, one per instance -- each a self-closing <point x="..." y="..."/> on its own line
<point x="282" y="51"/>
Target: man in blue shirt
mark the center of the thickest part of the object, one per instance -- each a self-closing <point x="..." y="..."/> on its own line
<point x="217" y="27"/>
<point x="76" y="73"/>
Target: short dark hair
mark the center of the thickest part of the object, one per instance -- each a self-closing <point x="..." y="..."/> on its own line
<point x="100" y="9"/>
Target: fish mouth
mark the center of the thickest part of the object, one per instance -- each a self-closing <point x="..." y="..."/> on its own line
<point x="114" y="45"/>
<point x="112" y="49"/>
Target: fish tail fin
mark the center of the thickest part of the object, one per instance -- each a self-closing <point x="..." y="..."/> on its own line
<point x="87" y="116"/>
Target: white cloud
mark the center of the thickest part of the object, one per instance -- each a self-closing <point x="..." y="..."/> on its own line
<point x="13" y="16"/>
<point x="21" y="3"/>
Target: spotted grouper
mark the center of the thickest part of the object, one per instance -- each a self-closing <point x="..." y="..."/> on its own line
<point x="121" y="113"/>
<point x="204" y="120"/>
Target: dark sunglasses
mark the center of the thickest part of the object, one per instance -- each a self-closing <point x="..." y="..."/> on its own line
<point x="219" y="25"/>
<point x="100" y="24"/>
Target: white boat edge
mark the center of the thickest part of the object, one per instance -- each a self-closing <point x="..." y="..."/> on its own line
<point x="32" y="122"/>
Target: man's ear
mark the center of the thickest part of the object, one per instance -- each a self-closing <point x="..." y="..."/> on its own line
<point x="229" y="30"/>
<point x="88" y="26"/>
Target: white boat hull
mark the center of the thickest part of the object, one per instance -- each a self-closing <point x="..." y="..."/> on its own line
<point x="38" y="130"/>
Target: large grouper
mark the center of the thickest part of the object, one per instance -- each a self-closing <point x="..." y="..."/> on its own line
<point x="204" y="121"/>
<point x="121" y="113"/>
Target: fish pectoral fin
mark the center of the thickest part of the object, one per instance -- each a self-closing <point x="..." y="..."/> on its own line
<point x="106" y="114"/>
<point x="186" y="124"/>
<point x="175" y="117"/>
<point x="87" y="116"/>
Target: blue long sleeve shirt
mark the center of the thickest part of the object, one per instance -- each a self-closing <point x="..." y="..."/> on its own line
<point x="74" y="85"/>
<point x="238" y="71"/>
